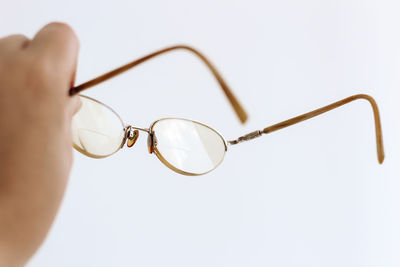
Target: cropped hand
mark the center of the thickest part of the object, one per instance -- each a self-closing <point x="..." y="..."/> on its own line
<point x="35" y="135"/>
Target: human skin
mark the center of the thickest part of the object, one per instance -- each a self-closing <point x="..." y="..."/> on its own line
<point x="35" y="136"/>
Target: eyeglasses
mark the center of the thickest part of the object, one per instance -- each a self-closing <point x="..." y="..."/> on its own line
<point x="187" y="147"/>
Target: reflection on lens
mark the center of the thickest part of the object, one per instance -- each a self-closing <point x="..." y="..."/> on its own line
<point x="97" y="131"/>
<point x="188" y="147"/>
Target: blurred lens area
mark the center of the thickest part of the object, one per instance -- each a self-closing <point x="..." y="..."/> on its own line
<point x="188" y="147"/>
<point x="97" y="131"/>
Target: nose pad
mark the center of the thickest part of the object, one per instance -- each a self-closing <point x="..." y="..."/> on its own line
<point x="151" y="142"/>
<point x="132" y="137"/>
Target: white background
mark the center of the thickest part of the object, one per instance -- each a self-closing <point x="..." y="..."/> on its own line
<point x="310" y="195"/>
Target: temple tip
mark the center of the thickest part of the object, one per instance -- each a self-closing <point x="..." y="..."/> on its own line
<point x="381" y="158"/>
<point x="243" y="117"/>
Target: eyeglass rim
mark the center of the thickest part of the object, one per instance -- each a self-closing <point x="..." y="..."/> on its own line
<point x="123" y="128"/>
<point x="175" y="169"/>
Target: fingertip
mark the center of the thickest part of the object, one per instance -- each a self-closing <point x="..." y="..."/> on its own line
<point x="56" y="38"/>
<point x="63" y="29"/>
<point x="56" y="47"/>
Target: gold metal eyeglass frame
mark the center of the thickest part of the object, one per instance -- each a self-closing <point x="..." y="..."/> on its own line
<point x="131" y="132"/>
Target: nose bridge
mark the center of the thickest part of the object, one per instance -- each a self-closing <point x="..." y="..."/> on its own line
<point x="140" y="129"/>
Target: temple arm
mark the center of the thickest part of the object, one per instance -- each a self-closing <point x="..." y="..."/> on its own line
<point x="309" y="115"/>
<point x="241" y="113"/>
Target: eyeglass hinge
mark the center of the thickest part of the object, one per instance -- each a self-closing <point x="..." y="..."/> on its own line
<point x="246" y="137"/>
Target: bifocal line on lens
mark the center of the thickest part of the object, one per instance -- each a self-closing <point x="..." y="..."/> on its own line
<point x="97" y="131"/>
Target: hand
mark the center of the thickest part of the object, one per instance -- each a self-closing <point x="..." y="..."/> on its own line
<point x="35" y="135"/>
